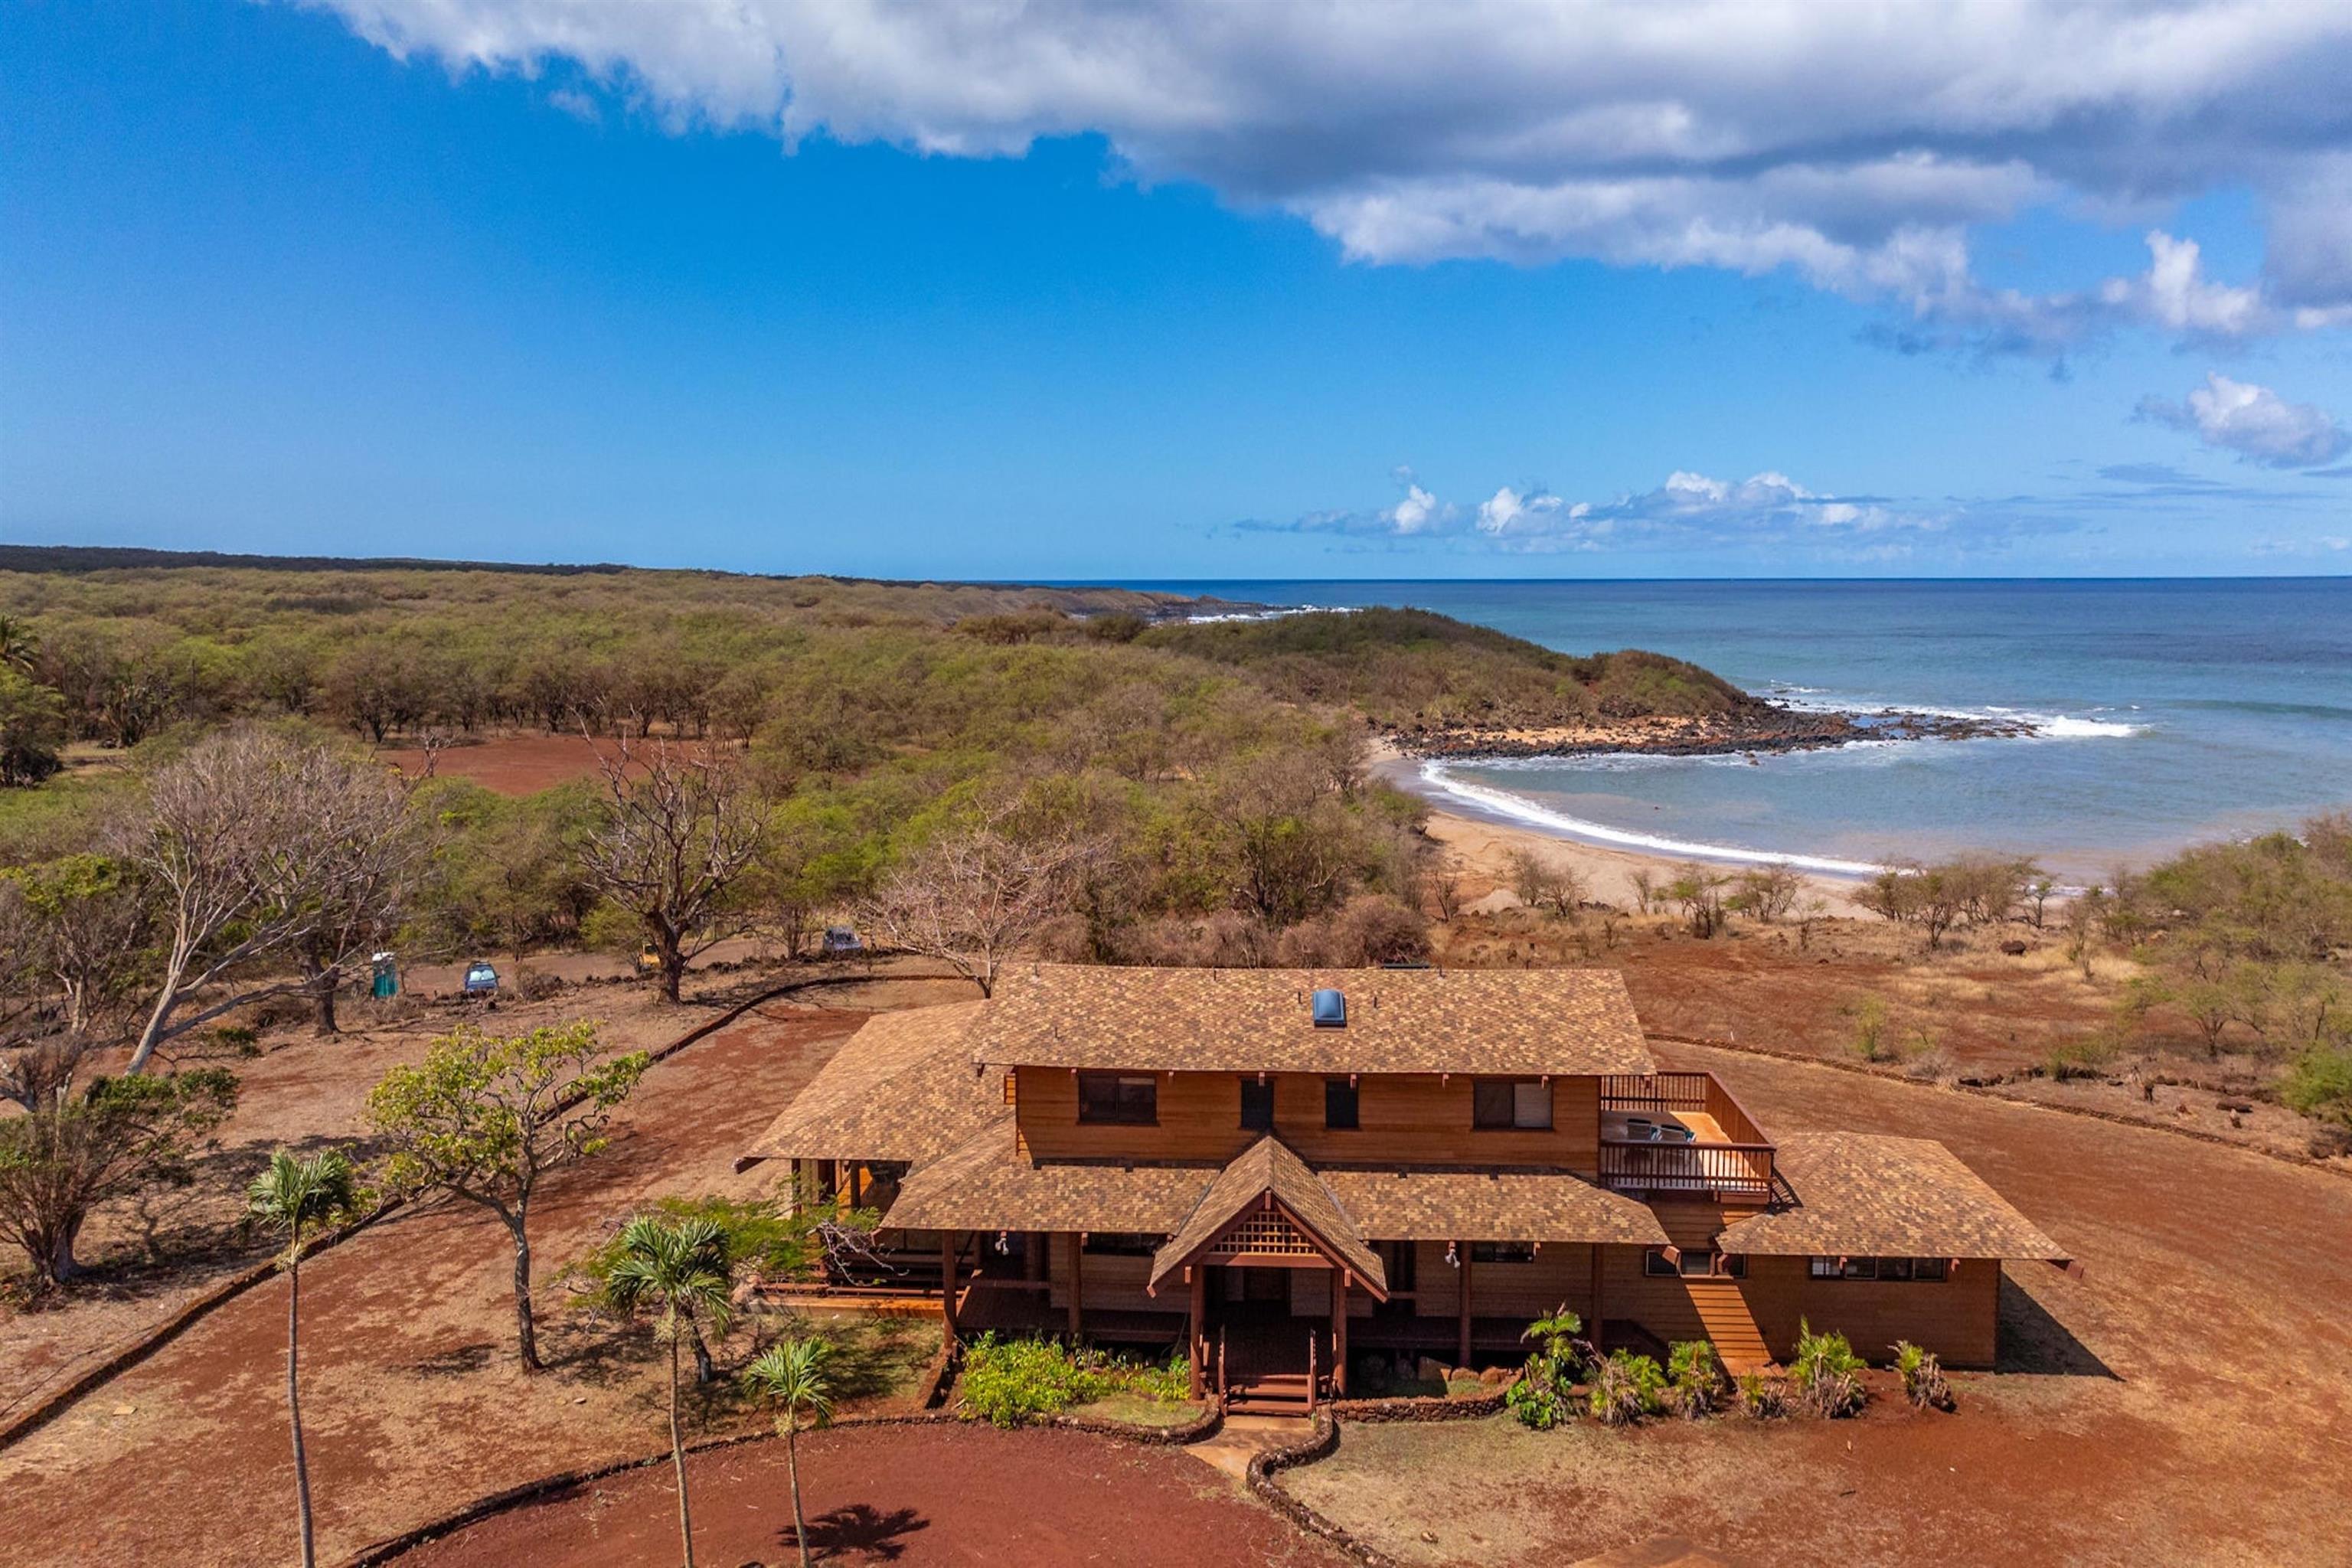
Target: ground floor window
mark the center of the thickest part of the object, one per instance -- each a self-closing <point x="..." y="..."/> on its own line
<point x="1120" y="1244"/>
<point x="1694" y="1264"/>
<point x="1502" y="1252"/>
<point x="1909" y="1268"/>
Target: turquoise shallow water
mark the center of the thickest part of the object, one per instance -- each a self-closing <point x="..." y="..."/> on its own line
<point x="2170" y="711"/>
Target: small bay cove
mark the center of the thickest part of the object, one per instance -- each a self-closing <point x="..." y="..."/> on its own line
<point x="2130" y="717"/>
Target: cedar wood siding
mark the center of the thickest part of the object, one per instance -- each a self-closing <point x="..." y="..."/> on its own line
<point x="1405" y="1120"/>
<point x="1685" y="1309"/>
<point x="1755" y="1319"/>
<point x="1958" y="1317"/>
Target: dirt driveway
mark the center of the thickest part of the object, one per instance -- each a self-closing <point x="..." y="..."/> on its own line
<point x="410" y="1400"/>
<point x="2191" y="1401"/>
<point x="911" y="1495"/>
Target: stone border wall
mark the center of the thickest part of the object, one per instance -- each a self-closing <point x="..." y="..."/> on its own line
<point x="1423" y="1408"/>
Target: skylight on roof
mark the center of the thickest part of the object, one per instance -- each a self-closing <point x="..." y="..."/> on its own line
<point x="1331" y="1009"/>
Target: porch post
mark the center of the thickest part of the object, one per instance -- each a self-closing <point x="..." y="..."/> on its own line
<point x="1077" y="1283"/>
<point x="828" y="1177"/>
<point x="1196" y="1332"/>
<point x="856" y="1186"/>
<point x="1340" y="1293"/>
<point x="947" y="1282"/>
<point x="1033" y="1254"/>
<point x="1597" y="1302"/>
<point x="1462" y="1355"/>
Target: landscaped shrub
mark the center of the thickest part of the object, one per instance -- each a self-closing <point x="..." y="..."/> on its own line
<point x="1626" y="1387"/>
<point x="1826" y="1373"/>
<point x="1695" y="1382"/>
<point x="1761" y="1396"/>
<point x="1168" y="1382"/>
<point x="1924" y="1384"/>
<point x="1008" y="1382"/>
<point x="1542" y="1396"/>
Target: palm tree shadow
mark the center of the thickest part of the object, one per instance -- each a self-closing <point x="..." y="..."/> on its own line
<point x="860" y="1529"/>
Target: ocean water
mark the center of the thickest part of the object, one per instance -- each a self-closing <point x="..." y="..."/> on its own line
<point x="2167" y="711"/>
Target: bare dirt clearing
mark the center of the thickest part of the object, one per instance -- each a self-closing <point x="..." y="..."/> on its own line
<point x="517" y="764"/>
<point x="412" y="1403"/>
<point x="2185" y="1402"/>
<point x="911" y="1495"/>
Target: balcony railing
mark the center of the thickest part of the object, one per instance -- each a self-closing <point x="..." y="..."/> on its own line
<point x="1698" y="1139"/>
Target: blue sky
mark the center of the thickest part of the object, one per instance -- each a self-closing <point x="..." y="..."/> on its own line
<point x="315" y="279"/>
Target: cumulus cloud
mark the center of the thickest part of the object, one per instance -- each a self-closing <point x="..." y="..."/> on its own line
<point x="1689" y="511"/>
<point x="1853" y="147"/>
<point x="2253" y="422"/>
<point x="1416" y="511"/>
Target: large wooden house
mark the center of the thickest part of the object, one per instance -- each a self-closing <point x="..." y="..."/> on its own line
<point x="1283" y="1170"/>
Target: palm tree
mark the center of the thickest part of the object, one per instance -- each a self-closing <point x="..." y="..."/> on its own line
<point x="18" y="646"/>
<point x="679" y="1270"/>
<point x="1555" y="1336"/>
<point x="290" y="1195"/>
<point x="793" y="1375"/>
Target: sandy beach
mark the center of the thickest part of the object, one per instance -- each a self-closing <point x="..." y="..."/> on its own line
<point x="1481" y="852"/>
<point x="1480" y="848"/>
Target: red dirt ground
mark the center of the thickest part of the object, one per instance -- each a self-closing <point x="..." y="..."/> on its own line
<point x="2186" y="1403"/>
<point x="509" y="764"/>
<point x="411" y="1402"/>
<point x="909" y="1495"/>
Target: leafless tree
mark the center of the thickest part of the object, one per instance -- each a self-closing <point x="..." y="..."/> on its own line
<point x="677" y="832"/>
<point x="1546" y="882"/>
<point x="258" y="848"/>
<point x="975" y="897"/>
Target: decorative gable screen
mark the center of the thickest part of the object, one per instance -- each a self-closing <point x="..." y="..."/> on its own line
<point x="1262" y="1233"/>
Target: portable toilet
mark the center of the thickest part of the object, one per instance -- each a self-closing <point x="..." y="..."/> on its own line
<point x="386" y="981"/>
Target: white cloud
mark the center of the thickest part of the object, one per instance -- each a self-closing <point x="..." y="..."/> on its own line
<point x="1853" y="147"/>
<point x="1415" y="513"/>
<point x="2255" y="423"/>
<point x="1508" y="511"/>
<point x="1689" y="511"/>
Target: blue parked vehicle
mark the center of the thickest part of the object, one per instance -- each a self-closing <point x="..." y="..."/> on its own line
<point x="481" y="980"/>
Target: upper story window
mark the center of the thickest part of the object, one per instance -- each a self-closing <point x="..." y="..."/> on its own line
<point x="1339" y="1105"/>
<point x="1257" y="1104"/>
<point x="1131" y="1099"/>
<point x="1522" y="1102"/>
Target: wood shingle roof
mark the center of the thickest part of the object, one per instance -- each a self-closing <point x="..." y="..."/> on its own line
<point x="1564" y="1022"/>
<point x="902" y="1087"/>
<point x="1869" y="1195"/>
<point x="1476" y="1205"/>
<point x="1269" y="1169"/>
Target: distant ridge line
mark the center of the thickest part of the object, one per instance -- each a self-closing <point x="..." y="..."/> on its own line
<point x="81" y="558"/>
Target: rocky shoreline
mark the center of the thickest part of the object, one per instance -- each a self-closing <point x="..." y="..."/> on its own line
<point x="1763" y="727"/>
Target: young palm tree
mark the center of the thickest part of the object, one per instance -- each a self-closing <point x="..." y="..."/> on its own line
<point x="677" y="1270"/>
<point x="793" y="1374"/>
<point x="1555" y="1336"/>
<point x="292" y="1195"/>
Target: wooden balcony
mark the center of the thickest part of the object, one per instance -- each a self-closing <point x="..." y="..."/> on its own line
<point x="1681" y="1134"/>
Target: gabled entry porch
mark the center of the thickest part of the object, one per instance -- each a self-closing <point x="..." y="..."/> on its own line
<point x="1269" y="1260"/>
